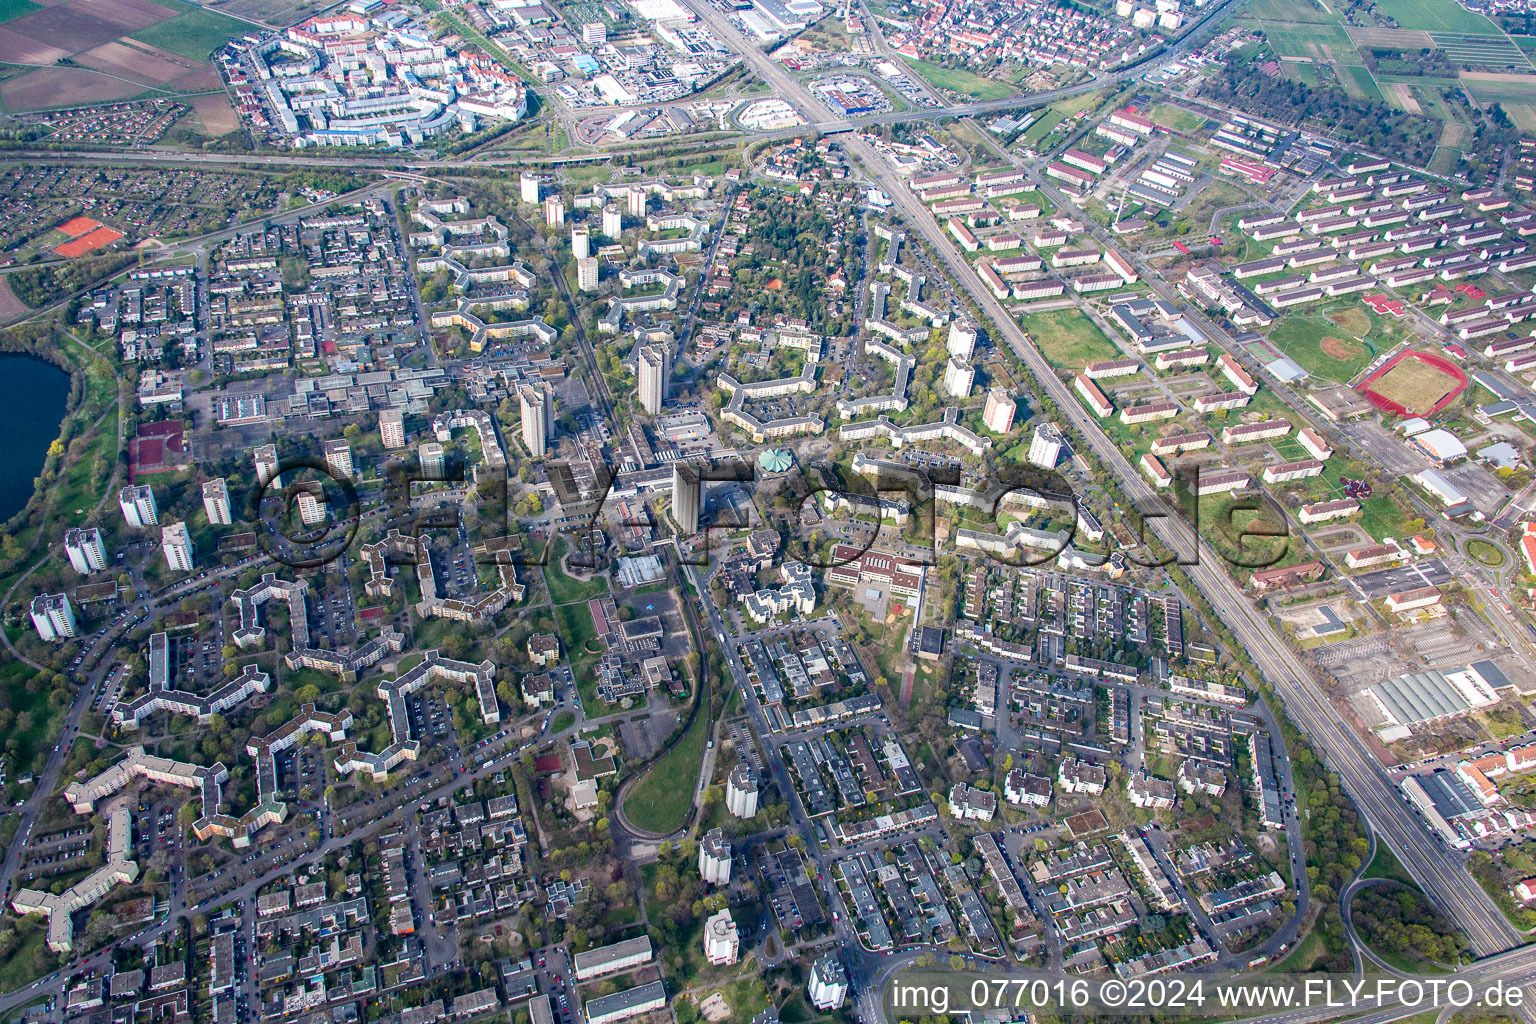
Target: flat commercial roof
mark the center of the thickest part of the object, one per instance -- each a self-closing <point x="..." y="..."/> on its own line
<point x="1420" y="697"/>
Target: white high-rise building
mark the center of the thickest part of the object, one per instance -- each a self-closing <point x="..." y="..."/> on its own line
<point x="962" y="339"/>
<point x="538" y="404"/>
<point x="138" y="505"/>
<point x="715" y="858"/>
<point x="392" y="428"/>
<point x="999" y="412"/>
<point x="581" y="241"/>
<point x="637" y="201"/>
<point x="53" y="617"/>
<point x="85" y="550"/>
<point x="687" y="496"/>
<point x="613" y="221"/>
<point x="1045" y="447"/>
<point x="338" y="458"/>
<point x="554" y="212"/>
<point x="434" y="463"/>
<point x="265" y="457"/>
<point x="529" y="182"/>
<point x="594" y="33"/>
<point x="958" y="378"/>
<point x="741" y="791"/>
<point x="653" y="366"/>
<point x="216" y="502"/>
<point x="312" y="506"/>
<point x="587" y="274"/>
<point x="721" y="943"/>
<point x="828" y="984"/>
<point x="176" y="542"/>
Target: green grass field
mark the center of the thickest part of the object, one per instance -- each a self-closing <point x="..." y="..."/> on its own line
<point x="1290" y="40"/>
<point x="1068" y="338"/>
<point x="961" y="81"/>
<point x="1056" y="113"/>
<point x="1288" y="10"/>
<point x="1501" y="92"/>
<point x="10" y="10"/>
<point x="1386" y="865"/>
<point x="1302" y="338"/>
<point x="1359" y="82"/>
<point x="1436" y="16"/>
<point x="661" y="801"/>
<point x="192" y="32"/>
<point x="565" y="589"/>
<point x="1176" y="118"/>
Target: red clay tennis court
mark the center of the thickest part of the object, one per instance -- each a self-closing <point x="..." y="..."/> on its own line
<point x="77" y="226"/>
<point x="98" y="238"/>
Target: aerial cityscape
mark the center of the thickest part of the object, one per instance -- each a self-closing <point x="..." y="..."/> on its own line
<point x="767" y="511"/>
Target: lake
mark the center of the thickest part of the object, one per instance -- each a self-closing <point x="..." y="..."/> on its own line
<point x="36" y="397"/>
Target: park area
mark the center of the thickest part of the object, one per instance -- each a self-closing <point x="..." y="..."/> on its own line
<point x="1414" y="384"/>
<point x="1068" y="338"/>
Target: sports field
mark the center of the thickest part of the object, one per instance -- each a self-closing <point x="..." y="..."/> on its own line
<point x="1414" y="384"/>
<point x="1322" y="346"/>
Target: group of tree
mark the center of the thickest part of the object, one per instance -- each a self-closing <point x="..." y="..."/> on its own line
<point x="1243" y="84"/>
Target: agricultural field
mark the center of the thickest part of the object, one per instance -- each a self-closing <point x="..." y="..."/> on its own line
<point x="1068" y="338"/>
<point x="1437" y="16"/>
<point x="191" y="31"/>
<point x="1325" y="42"/>
<point x="87" y="51"/>
<point x="270" y="12"/>
<point x="10" y="10"/>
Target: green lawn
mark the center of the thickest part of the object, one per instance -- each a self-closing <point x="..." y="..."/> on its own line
<point x="576" y="627"/>
<point x="1486" y="553"/>
<point x="961" y="81"/>
<point x="191" y="32"/>
<point x="663" y="798"/>
<point x="1302" y="956"/>
<point x="1176" y="118"/>
<point x="1057" y="113"/>
<point x="564" y="589"/>
<point x="1300" y="336"/>
<point x="1364" y="85"/>
<point x="564" y="720"/>
<point x="10" y="10"/>
<point x="1068" y="338"/>
<point x="1386" y="865"/>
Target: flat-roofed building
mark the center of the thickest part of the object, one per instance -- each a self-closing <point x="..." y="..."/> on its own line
<point x="620" y="956"/>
